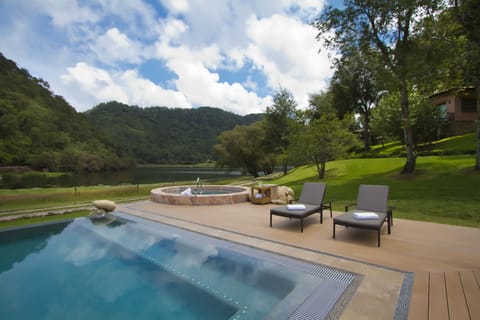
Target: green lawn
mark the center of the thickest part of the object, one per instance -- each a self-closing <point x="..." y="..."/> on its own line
<point x="444" y="189"/>
<point x="39" y="198"/>
<point x="456" y="145"/>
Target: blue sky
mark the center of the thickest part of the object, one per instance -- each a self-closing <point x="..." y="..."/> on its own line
<point x="230" y="54"/>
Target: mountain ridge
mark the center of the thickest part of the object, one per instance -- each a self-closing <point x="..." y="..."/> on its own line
<point x="41" y="129"/>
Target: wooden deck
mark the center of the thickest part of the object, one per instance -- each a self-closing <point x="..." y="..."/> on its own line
<point x="444" y="259"/>
<point x="446" y="295"/>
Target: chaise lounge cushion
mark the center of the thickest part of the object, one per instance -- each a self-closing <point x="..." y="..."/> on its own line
<point x="284" y="211"/>
<point x="347" y="219"/>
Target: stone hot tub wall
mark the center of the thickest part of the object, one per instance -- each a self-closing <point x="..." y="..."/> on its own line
<point x="171" y="195"/>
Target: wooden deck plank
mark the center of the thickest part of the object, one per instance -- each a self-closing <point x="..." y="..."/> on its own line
<point x="457" y="305"/>
<point x="477" y="276"/>
<point x="419" y="300"/>
<point x="437" y="298"/>
<point x="472" y="293"/>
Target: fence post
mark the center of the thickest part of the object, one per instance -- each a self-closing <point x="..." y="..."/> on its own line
<point x="75" y="196"/>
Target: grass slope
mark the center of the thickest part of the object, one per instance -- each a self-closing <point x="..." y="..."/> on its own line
<point x="456" y="145"/>
<point x="443" y="189"/>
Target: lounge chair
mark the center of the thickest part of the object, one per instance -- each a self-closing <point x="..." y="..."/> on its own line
<point x="371" y="210"/>
<point x="310" y="202"/>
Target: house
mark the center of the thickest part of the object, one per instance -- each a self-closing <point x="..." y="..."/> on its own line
<point x="458" y="108"/>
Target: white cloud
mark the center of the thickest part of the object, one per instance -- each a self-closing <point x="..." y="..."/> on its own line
<point x="284" y="48"/>
<point x="197" y="82"/>
<point x="93" y="82"/>
<point x="250" y="84"/>
<point x="114" y="46"/>
<point x="137" y="17"/>
<point x="65" y="13"/>
<point x="176" y="6"/>
<point x="287" y="52"/>
<point x="93" y="85"/>
<point x="143" y="92"/>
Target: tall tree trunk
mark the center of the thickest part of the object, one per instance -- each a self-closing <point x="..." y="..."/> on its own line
<point x="366" y="135"/>
<point x="409" y="166"/>
<point x="477" y="161"/>
<point x="321" y="170"/>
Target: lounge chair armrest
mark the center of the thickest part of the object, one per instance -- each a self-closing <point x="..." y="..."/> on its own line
<point x="349" y="205"/>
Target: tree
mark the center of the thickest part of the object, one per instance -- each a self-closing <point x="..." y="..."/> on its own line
<point x="386" y="117"/>
<point x="427" y="122"/>
<point x="321" y="140"/>
<point x="356" y="87"/>
<point x="387" y="27"/>
<point x="320" y="104"/>
<point x="242" y="148"/>
<point x="468" y="15"/>
<point x="278" y="121"/>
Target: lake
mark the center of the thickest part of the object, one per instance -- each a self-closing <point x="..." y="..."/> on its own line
<point x="138" y="175"/>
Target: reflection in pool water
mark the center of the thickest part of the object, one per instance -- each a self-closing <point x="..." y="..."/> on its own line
<point x="141" y="270"/>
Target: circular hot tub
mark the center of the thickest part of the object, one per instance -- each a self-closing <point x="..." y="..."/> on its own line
<point x="205" y="195"/>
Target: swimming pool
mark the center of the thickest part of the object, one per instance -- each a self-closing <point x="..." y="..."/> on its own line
<point x="137" y="269"/>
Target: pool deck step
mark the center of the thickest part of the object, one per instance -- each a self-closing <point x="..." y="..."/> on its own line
<point x="446" y="295"/>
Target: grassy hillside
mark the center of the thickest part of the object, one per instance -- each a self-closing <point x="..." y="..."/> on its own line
<point x="444" y="188"/>
<point x="464" y="144"/>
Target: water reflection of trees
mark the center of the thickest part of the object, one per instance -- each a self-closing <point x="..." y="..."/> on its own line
<point x="18" y="244"/>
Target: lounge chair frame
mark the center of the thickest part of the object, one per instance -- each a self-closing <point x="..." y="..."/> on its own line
<point x="371" y="198"/>
<point x="312" y="197"/>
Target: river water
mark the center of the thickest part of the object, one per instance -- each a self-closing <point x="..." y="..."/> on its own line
<point x="139" y="175"/>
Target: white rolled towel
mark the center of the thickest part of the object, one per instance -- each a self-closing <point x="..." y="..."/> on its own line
<point x="365" y="215"/>
<point x="296" y="206"/>
<point x="186" y="192"/>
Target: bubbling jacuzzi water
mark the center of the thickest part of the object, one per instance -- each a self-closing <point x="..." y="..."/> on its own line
<point x="200" y="195"/>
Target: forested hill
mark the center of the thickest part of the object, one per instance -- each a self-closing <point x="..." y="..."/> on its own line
<point x="40" y="129"/>
<point x="164" y="135"/>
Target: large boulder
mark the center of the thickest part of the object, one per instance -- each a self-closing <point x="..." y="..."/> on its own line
<point x="106" y="205"/>
<point x="284" y="195"/>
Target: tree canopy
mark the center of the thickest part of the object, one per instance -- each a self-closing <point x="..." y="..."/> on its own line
<point x="387" y="27"/>
<point x="278" y="122"/>
<point x="164" y="135"/>
<point x="243" y="147"/>
<point x="321" y="140"/>
<point x="40" y="129"/>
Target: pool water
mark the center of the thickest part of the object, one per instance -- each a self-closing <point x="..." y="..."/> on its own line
<point x="136" y="269"/>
